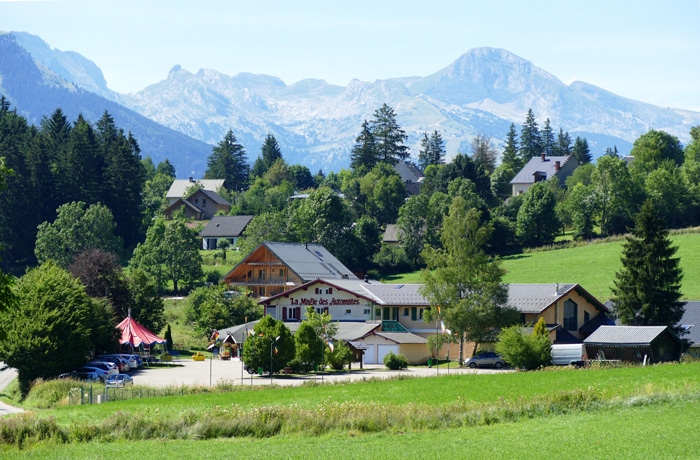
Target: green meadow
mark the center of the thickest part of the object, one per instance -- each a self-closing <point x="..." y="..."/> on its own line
<point x="593" y="266"/>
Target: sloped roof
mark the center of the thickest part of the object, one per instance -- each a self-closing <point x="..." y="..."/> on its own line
<point x="226" y="226"/>
<point x="179" y="186"/>
<point x="546" y="167"/>
<point x="409" y="172"/>
<point x="535" y="298"/>
<point x="215" y="197"/>
<point x="347" y="330"/>
<point x="391" y="234"/>
<point x="626" y="335"/>
<point x="179" y="203"/>
<point x="238" y="332"/>
<point x="691" y="323"/>
<point x="401" y="337"/>
<point x="396" y="294"/>
<point x="135" y="335"/>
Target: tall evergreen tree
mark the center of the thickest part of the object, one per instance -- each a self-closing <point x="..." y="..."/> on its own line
<point x="389" y="136"/>
<point x="548" y="143"/>
<point x="167" y="168"/>
<point x="269" y="153"/>
<point x="437" y="149"/>
<point x="563" y="143"/>
<point x="510" y="151"/>
<point x="364" y="153"/>
<point x="647" y="290"/>
<point x="581" y="151"/>
<point x="484" y="153"/>
<point x="229" y="161"/>
<point x="530" y="138"/>
<point x="424" y="154"/>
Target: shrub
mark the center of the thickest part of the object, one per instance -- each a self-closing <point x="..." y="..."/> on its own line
<point x="340" y="356"/>
<point x="296" y="365"/>
<point x="395" y="362"/>
<point x="519" y="349"/>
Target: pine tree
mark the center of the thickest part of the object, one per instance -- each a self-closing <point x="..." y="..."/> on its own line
<point x="437" y="148"/>
<point x="510" y="151"/>
<point x="229" y="161"/>
<point x="548" y="143"/>
<point x="424" y="154"/>
<point x="483" y="152"/>
<point x="647" y="291"/>
<point x="165" y="167"/>
<point x="563" y="147"/>
<point x="389" y="136"/>
<point x="530" y="138"/>
<point x="269" y="153"/>
<point x="612" y="152"/>
<point x="581" y="151"/>
<point x="364" y="153"/>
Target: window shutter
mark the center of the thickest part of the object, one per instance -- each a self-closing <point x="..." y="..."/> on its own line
<point x="284" y="313"/>
<point x="330" y="290"/>
<point x="414" y="313"/>
<point x="298" y="313"/>
<point x="316" y="291"/>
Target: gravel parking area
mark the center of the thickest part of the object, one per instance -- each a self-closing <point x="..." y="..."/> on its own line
<point x="201" y="373"/>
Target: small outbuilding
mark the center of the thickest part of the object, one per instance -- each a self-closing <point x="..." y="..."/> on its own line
<point x="634" y="343"/>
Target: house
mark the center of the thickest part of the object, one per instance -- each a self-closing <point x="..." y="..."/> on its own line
<point x="272" y="268"/>
<point x="543" y="168"/>
<point x="391" y="235"/>
<point x="201" y="205"/>
<point x="569" y="311"/>
<point x="219" y="228"/>
<point x="179" y="187"/>
<point x="634" y="343"/>
<point x="411" y="176"/>
<point x="690" y="323"/>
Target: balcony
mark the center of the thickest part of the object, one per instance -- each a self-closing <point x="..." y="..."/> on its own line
<point x="393" y="326"/>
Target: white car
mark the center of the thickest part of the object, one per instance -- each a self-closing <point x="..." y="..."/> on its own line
<point x="101" y="373"/>
<point x="118" y="381"/>
<point x="109" y="367"/>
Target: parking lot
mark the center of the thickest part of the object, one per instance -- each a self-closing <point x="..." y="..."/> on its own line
<point x="202" y="373"/>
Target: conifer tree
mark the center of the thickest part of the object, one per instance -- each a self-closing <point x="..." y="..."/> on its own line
<point x="647" y="290"/>
<point x="364" y="153"/>
<point x="424" y="154"/>
<point x="389" y="136"/>
<point x="167" y="168"/>
<point x="510" y="151"/>
<point x="269" y="153"/>
<point x="228" y="161"/>
<point x="581" y="151"/>
<point x="563" y="143"/>
<point x="530" y="138"/>
<point x="437" y="148"/>
<point x="548" y="143"/>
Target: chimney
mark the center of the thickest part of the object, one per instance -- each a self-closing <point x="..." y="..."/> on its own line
<point x="366" y="279"/>
<point x="557" y="166"/>
<point x="191" y="179"/>
<point x="543" y="155"/>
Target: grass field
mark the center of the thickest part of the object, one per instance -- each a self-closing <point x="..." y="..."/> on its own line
<point x="592" y="266"/>
<point x="659" y="431"/>
<point x="603" y="413"/>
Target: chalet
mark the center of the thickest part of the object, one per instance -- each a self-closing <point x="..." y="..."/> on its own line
<point x="201" y="205"/>
<point x="179" y="187"/>
<point x="272" y="268"/>
<point x="411" y="176"/>
<point x="391" y="235"/>
<point x="220" y="228"/>
<point x="653" y="344"/>
<point x="543" y="168"/>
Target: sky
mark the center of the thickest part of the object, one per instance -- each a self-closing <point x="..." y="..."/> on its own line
<point x="643" y="50"/>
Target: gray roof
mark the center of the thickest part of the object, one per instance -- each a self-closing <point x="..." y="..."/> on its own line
<point x="215" y="197"/>
<point x="547" y="167"/>
<point x="309" y="262"/>
<point x="409" y="172"/>
<point x="691" y="323"/>
<point x="391" y="234"/>
<point x="347" y="330"/>
<point x="238" y="332"/>
<point x="625" y="335"/>
<point x="226" y="226"/>
<point x="179" y="186"/>
<point x="402" y="337"/>
<point x="535" y="298"/>
<point x="396" y="294"/>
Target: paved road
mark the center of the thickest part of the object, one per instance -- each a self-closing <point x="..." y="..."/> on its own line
<point x="188" y="372"/>
<point x="6" y="376"/>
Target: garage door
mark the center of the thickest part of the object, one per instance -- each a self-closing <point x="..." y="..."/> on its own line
<point x="384" y="350"/>
<point x="370" y="356"/>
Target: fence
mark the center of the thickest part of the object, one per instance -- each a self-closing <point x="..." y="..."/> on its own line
<point x="99" y="394"/>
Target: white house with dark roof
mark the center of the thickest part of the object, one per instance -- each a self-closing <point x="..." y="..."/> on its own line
<point x="543" y="168"/>
<point x="219" y="228"/>
<point x="200" y="205"/>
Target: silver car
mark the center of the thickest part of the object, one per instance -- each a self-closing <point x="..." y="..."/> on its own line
<point x="118" y="381"/>
<point x="486" y="359"/>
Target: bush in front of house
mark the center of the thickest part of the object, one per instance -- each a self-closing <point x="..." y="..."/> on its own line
<point x="519" y="349"/>
<point x="395" y="362"/>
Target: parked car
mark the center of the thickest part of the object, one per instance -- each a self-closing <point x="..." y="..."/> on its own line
<point x="130" y="359"/>
<point x="87" y="376"/>
<point x="109" y="367"/>
<point x="118" y="381"/>
<point x="125" y="367"/>
<point x="101" y="373"/>
<point x="486" y="359"/>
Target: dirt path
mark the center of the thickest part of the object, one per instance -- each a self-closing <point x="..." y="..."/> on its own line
<point x="6" y="376"/>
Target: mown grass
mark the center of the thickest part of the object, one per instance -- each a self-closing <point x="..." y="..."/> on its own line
<point x="645" y="430"/>
<point x="593" y="266"/>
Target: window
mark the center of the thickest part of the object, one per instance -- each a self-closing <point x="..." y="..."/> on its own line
<point x="378" y="313"/>
<point x="261" y="275"/>
<point x="586" y="317"/>
<point x="405" y="312"/>
<point x="292" y="313"/>
<point x="366" y="311"/>
<point x="420" y="313"/>
<point x="261" y="291"/>
<point x="282" y="272"/>
<point x="204" y="202"/>
<point x="570" y="315"/>
<point x="662" y="351"/>
<point x="348" y="311"/>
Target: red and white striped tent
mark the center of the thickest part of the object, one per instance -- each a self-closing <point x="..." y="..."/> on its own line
<point x="136" y="335"/>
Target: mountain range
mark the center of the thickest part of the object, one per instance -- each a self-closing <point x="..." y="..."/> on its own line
<point x="315" y="123"/>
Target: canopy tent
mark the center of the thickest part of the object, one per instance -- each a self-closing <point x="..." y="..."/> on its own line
<point x="136" y="335"/>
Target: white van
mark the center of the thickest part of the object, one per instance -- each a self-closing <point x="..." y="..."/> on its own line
<point x="568" y="353"/>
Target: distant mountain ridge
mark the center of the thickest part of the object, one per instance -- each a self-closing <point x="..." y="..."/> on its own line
<point x="316" y="123"/>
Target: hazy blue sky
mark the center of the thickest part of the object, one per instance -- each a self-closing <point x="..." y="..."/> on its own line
<point x="645" y="50"/>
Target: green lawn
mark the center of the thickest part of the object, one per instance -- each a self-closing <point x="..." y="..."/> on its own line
<point x="659" y="431"/>
<point x="592" y="266"/>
